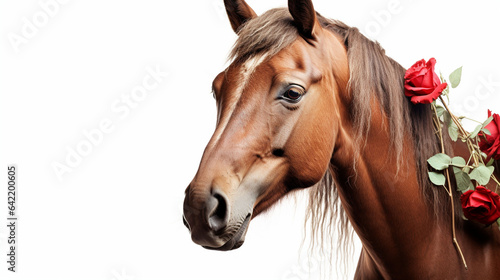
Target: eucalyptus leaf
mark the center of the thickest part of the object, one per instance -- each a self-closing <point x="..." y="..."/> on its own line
<point x="466" y="169"/>
<point x="455" y="77"/>
<point x="437" y="179"/>
<point x="475" y="131"/>
<point x="446" y="117"/>
<point x="452" y="127"/>
<point x="463" y="180"/>
<point x="481" y="174"/>
<point x="491" y="169"/>
<point x="440" y="110"/>
<point x="487" y="121"/>
<point x="439" y="161"/>
<point x="490" y="163"/>
<point x="453" y="131"/>
<point x="482" y="128"/>
<point x="458" y="161"/>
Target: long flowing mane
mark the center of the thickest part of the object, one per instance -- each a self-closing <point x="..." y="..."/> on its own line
<point x="372" y="75"/>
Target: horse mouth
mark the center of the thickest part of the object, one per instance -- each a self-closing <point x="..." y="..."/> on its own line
<point x="236" y="240"/>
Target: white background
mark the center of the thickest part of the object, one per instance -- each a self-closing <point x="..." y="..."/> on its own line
<point x="117" y="214"/>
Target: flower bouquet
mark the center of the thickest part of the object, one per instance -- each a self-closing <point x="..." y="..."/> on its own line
<point x="479" y="203"/>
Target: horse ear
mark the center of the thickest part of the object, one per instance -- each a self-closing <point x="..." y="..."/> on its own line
<point x="238" y="12"/>
<point x="304" y="17"/>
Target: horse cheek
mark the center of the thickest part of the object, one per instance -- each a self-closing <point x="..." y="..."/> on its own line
<point x="313" y="148"/>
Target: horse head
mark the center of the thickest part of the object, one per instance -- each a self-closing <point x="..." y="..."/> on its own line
<point x="278" y="120"/>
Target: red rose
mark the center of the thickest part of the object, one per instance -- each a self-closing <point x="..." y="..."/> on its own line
<point x="422" y="84"/>
<point x="490" y="144"/>
<point x="481" y="205"/>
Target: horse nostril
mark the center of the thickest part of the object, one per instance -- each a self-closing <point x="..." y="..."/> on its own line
<point x="217" y="218"/>
<point x="278" y="152"/>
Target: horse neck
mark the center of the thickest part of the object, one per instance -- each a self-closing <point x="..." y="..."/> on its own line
<point x="384" y="203"/>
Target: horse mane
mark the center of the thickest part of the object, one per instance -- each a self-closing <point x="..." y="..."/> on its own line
<point x="375" y="75"/>
<point x="372" y="75"/>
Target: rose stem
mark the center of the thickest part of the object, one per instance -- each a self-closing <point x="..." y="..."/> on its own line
<point x="450" y="191"/>
<point x="462" y="130"/>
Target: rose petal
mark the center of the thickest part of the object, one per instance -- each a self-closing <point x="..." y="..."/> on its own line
<point x="418" y="78"/>
<point x="481" y="205"/>
<point x="419" y="90"/>
<point x="436" y="80"/>
<point x="431" y="63"/>
<point x="490" y="144"/>
<point x="414" y="69"/>
<point x="427" y="99"/>
<point x="428" y="80"/>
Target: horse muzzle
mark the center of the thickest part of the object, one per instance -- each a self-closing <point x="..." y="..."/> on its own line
<point x="213" y="223"/>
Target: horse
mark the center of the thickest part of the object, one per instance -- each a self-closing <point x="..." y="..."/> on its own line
<point x="310" y="103"/>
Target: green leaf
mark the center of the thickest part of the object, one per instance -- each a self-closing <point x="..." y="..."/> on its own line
<point x="446" y="117"/>
<point x="487" y="121"/>
<point x="437" y="178"/>
<point x="453" y="131"/>
<point x="458" y="161"/>
<point x="455" y="77"/>
<point x="463" y="180"/>
<point x="475" y="132"/>
<point x="452" y="127"/>
<point x="439" y="161"/>
<point x="440" y="110"/>
<point x="490" y="163"/>
<point x="481" y="128"/>
<point x="498" y="222"/>
<point x="481" y="174"/>
<point x="466" y="169"/>
<point x="491" y="169"/>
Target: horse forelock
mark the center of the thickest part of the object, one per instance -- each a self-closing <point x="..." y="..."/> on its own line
<point x="267" y="34"/>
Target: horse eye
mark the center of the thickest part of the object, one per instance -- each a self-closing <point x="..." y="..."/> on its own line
<point x="293" y="94"/>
